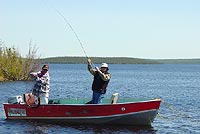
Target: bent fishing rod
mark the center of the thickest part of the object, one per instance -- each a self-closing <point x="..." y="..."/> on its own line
<point x="67" y="22"/>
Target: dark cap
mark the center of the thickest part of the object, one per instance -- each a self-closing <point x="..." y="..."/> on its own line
<point x="45" y="67"/>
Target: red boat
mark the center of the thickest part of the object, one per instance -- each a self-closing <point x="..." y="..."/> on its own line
<point x="77" y="111"/>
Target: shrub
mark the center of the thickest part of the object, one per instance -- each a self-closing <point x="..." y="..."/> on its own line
<point x="14" y="67"/>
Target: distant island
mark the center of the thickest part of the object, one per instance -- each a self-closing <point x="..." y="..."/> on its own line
<point x="117" y="60"/>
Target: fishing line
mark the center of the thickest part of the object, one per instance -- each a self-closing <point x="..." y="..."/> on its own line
<point x="70" y="26"/>
<point x="177" y="112"/>
<point x="81" y="44"/>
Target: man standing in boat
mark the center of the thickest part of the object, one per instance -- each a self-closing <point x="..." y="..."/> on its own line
<point x="41" y="87"/>
<point x="100" y="82"/>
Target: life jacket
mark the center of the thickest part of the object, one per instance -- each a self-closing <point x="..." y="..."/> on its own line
<point x="98" y="84"/>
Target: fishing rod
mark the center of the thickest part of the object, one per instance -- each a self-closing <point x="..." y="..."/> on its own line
<point x="67" y="22"/>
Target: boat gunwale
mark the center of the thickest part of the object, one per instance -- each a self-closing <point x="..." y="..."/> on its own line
<point x="102" y="104"/>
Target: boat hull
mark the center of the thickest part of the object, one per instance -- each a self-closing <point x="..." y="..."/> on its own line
<point x="136" y="113"/>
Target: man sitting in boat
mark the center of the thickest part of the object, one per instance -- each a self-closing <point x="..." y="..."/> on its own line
<point x="41" y="87"/>
<point x="100" y="82"/>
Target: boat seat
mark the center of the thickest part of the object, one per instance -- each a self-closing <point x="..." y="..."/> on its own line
<point x="114" y="98"/>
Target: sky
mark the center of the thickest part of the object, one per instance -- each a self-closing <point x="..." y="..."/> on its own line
<point x="152" y="29"/>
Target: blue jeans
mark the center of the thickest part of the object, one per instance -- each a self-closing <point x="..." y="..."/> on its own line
<point x="97" y="97"/>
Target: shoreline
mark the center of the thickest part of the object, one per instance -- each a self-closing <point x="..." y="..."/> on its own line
<point x="117" y="60"/>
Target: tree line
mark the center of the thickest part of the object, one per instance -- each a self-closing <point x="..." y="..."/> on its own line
<point x="110" y="60"/>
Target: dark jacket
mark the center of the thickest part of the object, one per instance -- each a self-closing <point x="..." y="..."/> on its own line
<point x="100" y="81"/>
<point x="99" y="84"/>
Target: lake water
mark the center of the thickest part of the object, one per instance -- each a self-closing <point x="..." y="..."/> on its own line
<point x="177" y="85"/>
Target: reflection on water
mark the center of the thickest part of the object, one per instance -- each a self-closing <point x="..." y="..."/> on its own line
<point x="37" y="127"/>
<point x="115" y="129"/>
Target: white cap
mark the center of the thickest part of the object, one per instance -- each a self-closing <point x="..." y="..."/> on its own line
<point x="104" y="65"/>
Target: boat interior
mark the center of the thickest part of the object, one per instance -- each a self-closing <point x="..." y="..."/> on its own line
<point x="88" y="101"/>
<point x="31" y="99"/>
